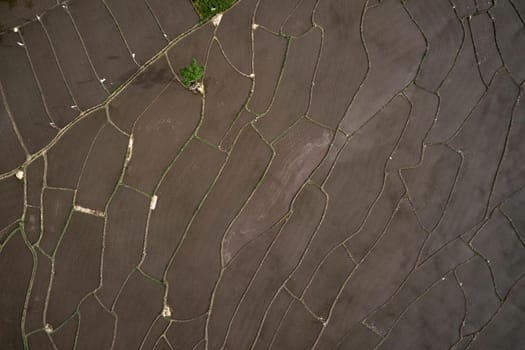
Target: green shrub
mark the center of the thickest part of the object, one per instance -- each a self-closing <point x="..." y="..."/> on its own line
<point x="209" y="8"/>
<point x="12" y="3"/>
<point x="191" y="73"/>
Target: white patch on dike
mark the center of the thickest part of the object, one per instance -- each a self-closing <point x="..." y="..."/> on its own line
<point x="48" y="328"/>
<point x="255" y="26"/>
<point x="89" y="211"/>
<point x="130" y="148"/>
<point x="200" y="89"/>
<point x="15" y="29"/>
<point x="216" y="20"/>
<point x="153" y="203"/>
<point x="19" y="174"/>
<point x="166" y="311"/>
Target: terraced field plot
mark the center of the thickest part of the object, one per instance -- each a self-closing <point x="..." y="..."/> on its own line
<point x="350" y="175"/>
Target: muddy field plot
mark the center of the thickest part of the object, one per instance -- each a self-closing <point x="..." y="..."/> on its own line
<point x="300" y="174"/>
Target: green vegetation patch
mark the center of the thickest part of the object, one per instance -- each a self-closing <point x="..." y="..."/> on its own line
<point x="209" y="8"/>
<point x="12" y="3"/>
<point x="191" y="73"/>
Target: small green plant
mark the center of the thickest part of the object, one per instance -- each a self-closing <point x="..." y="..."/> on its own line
<point x="209" y="8"/>
<point x="192" y="73"/>
<point x="10" y="3"/>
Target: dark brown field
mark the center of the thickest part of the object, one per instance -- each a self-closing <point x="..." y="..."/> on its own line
<point x="352" y="177"/>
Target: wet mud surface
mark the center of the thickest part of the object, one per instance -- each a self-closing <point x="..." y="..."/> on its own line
<point x="352" y="176"/>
